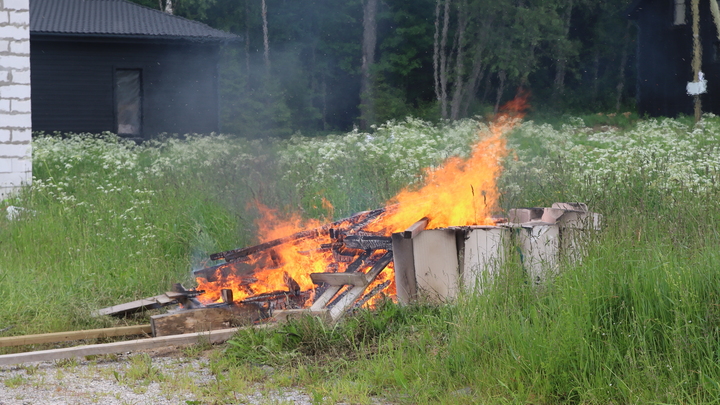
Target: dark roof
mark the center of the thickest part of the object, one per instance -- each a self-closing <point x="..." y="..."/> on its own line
<point x="115" y="18"/>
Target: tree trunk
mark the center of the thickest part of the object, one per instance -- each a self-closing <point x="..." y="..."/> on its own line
<point x="266" y="41"/>
<point x="247" y="39"/>
<point x="324" y="102"/>
<point x="488" y="86"/>
<point x="595" y="76"/>
<point x="444" y="62"/>
<point x="168" y="6"/>
<point x="472" y="85"/>
<point x="623" y="62"/>
<point x="478" y="65"/>
<point x="500" y="90"/>
<point x="367" y="101"/>
<point x="561" y="65"/>
<point x="460" y="62"/>
<point x="436" y="53"/>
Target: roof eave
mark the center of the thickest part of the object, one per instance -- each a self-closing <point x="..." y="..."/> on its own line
<point x="132" y="37"/>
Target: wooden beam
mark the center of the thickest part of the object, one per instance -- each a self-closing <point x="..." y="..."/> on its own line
<point x="203" y="319"/>
<point x="75" y="335"/>
<point x="342" y="305"/>
<point x="285" y="315"/>
<point x="416" y="228"/>
<point x="405" y="279"/>
<point x="217" y="336"/>
<point x="363" y="217"/>
<point x="136" y="306"/>
<point x="339" y="278"/>
<point x="368" y="242"/>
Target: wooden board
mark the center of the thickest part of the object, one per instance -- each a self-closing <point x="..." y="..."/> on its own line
<point x="288" y="314"/>
<point x="204" y="319"/>
<point x="338" y="310"/>
<point x="414" y="229"/>
<point x="483" y="255"/>
<point x="404" y="268"/>
<point x="136" y="306"/>
<point x="357" y="279"/>
<point x="437" y="272"/>
<point x="217" y="336"/>
<point x="75" y="335"/>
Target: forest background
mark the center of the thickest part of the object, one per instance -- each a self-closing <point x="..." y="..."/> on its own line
<point x="317" y="66"/>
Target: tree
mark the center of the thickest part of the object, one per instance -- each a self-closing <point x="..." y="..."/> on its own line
<point x="369" y="43"/>
<point x="335" y="64"/>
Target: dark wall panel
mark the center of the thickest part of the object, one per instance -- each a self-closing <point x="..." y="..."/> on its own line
<point x="72" y="85"/>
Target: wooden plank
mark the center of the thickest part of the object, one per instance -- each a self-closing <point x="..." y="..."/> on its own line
<point x="157" y="301"/>
<point x="368" y="242"/>
<point x="285" y="315"/>
<point x="217" y="336"/>
<point x="320" y="303"/>
<point x="415" y="228"/>
<point x="363" y="217"/>
<point x="357" y="279"/>
<point x="204" y="319"/>
<point x="437" y="273"/>
<point x="405" y="281"/>
<point x="75" y="335"/>
<point x="338" y="310"/>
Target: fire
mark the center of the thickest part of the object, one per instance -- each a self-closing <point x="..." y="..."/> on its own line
<point x="459" y="192"/>
<point x="286" y="267"/>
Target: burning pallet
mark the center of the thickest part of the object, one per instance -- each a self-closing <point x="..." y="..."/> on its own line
<point x="359" y="264"/>
<point x="244" y="289"/>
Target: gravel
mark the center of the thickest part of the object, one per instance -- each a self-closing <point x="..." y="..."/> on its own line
<point x="114" y="380"/>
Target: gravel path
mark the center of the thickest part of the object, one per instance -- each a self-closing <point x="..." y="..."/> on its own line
<point x="155" y="377"/>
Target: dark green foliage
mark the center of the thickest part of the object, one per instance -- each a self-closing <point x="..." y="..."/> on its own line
<point x="313" y="83"/>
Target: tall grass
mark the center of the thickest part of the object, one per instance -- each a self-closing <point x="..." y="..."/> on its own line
<point x="107" y="221"/>
<point x="635" y="322"/>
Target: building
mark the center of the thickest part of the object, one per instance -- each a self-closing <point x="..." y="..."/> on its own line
<point x="664" y="56"/>
<point x="15" y="118"/>
<point x="101" y="65"/>
<point x="112" y="65"/>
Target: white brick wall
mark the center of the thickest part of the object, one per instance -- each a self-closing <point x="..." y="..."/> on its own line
<point x="15" y="116"/>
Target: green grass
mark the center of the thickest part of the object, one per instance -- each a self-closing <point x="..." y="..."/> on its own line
<point x="635" y="322"/>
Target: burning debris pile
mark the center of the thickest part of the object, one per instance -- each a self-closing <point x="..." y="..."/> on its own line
<point x="302" y="269"/>
<point x="330" y="269"/>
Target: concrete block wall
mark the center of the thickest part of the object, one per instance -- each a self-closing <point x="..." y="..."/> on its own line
<point x="15" y="115"/>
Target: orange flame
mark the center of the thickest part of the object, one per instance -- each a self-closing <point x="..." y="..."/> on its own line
<point x="460" y="192"/>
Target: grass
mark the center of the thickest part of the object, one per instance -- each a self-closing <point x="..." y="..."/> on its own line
<point x="634" y="322"/>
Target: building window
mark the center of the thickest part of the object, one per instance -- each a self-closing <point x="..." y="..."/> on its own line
<point x="680" y="12"/>
<point x="128" y="101"/>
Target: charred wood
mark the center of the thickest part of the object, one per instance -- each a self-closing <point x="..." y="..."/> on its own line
<point x="348" y="292"/>
<point x="356" y="265"/>
<point x="291" y="284"/>
<point x="369" y="242"/>
<point x="370" y="295"/>
<point x="222" y="271"/>
<point x="355" y="222"/>
<point x="339" y="296"/>
<point x="236" y="254"/>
